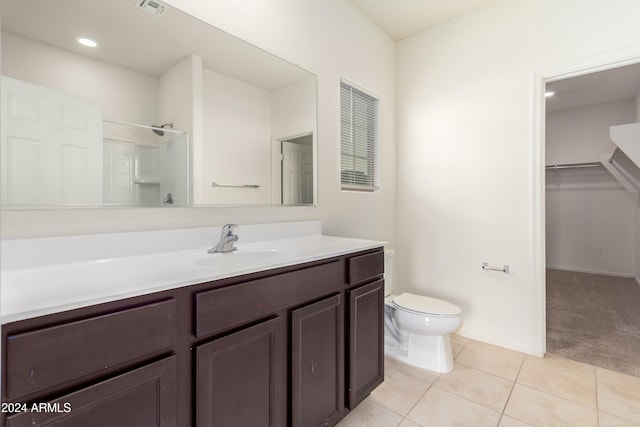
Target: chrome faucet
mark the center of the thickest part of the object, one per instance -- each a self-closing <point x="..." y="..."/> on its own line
<point x="227" y="239"/>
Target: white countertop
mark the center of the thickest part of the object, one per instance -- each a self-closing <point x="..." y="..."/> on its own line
<point x="45" y="276"/>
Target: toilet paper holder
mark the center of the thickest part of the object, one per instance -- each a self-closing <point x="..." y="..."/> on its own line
<point x="504" y="268"/>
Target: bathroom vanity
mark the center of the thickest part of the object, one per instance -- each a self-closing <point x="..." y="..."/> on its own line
<point x="295" y="339"/>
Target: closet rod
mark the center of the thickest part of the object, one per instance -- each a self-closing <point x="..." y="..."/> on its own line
<point x="574" y="165"/>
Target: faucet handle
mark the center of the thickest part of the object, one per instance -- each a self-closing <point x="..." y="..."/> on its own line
<point x="227" y="229"/>
<point x="227" y="239"/>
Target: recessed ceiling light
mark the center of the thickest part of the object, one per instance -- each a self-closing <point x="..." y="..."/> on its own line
<point x="549" y="93"/>
<point x="86" y="42"/>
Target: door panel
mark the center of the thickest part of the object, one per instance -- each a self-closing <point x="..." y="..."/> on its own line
<point x="51" y="147"/>
<point x="240" y="378"/>
<point x="318" y="363"/>
<point x="366" y="340"/>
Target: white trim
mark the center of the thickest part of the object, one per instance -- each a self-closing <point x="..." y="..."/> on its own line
<point x="605" y="61"/>
<point x="587" y="271"/>
<point x="360" y="88"/>
<point x="276" y="140"/>
<point x="361" y="188"/>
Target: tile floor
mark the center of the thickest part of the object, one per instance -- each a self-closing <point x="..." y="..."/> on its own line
<point x="492" y="386"/>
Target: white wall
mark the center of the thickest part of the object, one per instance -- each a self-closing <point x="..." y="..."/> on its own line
<point x="291" y="111"/>
<point x="591" y="228"/>
<point x="465" y="153"/>
<point x="237" y="135"/>
<point x="180" y="103"/>
<point x="582" y="134"/>
<point x="590" y="217"/>
<point x="134" y="101"/>
<point x="330" y="38"/>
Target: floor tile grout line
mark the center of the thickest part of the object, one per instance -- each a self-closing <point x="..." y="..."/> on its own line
<point x="559" y="397"/>
<point x="501" y="413"/>
<point x="513" y="386"/>
<point x="566" y="399"/>
<point x="596" y="380"/>
<point x="490" y="373"/>
<point x="431" y="385"/>
<point x="465" y="398"/>
<point x="404" y="417"/>
<point x="513" y="382"/>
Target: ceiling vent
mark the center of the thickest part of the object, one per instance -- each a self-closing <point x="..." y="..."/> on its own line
<point x="154" y="7"/>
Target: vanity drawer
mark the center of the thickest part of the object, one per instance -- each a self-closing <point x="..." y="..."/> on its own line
<point x="145" y="396"/>
<point x="231" y="306"/>
<point x="48" y="357"/>
<point x="365" y="267"/>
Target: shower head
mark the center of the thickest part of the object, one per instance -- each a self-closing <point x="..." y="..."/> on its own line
<point x="157" y="129"/>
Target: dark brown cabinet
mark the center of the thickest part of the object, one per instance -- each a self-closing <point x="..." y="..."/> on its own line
<point x="240" y="378"/>
<point x="366" y="340"/>
<point x="53" y="356"/>
<point x="144" y="397"/>
<point x="295" y="346"/>
<point x="317" y="363"/>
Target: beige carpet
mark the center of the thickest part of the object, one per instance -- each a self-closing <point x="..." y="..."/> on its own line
<point x="594" y="319"/>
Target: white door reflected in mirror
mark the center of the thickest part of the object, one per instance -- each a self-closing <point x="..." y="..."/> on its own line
<point x="297" y="171"/>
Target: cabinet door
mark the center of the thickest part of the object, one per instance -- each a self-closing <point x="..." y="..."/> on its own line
<point x="366" y="340"/>
<point x="144" y="397"/>
<point x="317" y="363"/>
<point x="240" y="378"/>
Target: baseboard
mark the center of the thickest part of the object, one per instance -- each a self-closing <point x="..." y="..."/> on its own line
<point x="604" y="273"/>
<point x="499" y="343"/>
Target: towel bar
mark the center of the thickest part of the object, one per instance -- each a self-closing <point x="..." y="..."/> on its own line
<point x="504" y="269"/>
<point x="215" y="184"/>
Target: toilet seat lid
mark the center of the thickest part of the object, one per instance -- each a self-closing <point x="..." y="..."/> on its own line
<point x="426" y="305"/>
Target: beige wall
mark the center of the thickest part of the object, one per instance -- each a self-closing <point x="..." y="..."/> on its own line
<point x="467" y="146"/>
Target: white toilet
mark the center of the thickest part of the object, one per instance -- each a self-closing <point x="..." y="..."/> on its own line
<point x="417" y="327"/>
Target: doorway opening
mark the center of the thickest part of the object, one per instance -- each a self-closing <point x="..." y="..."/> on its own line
<point x="297" y="165"/>
<point x="589" y="235"/>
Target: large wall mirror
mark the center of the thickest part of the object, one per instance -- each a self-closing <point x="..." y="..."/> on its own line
<point x="163" y="110"/>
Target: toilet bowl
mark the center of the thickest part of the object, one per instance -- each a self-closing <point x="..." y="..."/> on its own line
<point x="428" y="323"/>
<point x="417" y="327"/>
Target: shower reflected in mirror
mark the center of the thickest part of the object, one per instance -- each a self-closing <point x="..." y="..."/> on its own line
<point x="157" y="129"/>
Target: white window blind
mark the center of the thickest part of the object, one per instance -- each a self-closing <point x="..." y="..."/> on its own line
<point x="358" y="139"/>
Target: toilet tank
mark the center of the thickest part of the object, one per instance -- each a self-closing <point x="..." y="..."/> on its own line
<point x="389" y="255"/>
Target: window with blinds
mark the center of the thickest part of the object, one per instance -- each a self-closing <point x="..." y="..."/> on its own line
<point x="358" y="139"/>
